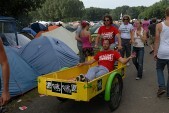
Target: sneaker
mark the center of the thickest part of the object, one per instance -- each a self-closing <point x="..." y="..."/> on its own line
<point x="81" y="78"/>
<point x="168" y="97"/>
<point x="160" y="92"/>
<point x="138" y="78"/>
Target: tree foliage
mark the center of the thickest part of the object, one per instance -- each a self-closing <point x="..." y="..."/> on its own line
<point x="16" y="8"/>
<point x="156" y="10"/>
<point x="70" y="10"/>
<point x="95" y="14"/>
<point x="53" y="10"/>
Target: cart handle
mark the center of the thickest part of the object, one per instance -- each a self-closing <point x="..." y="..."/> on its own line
<point x="109" y="84"/>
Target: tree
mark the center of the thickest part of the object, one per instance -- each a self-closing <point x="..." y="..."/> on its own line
<point x="15" y="8"/>
<point x="95" y="14"/>
<point x="59" y="10"/>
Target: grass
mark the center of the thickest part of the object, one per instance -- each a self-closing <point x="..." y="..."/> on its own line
<point x="25" y="100"/>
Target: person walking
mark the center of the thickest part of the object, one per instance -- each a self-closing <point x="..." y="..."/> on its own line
<point x="145" y="25"/>
<point x="152" y="29"/>
<point x="138" y="48"/>
<point x="79" y="44"/>
<point x="85" y="36"/>
<point x="126" y="33"/>
<point x="161" y="53"/>
<point x="5" y="76"/>
<point x="107" y="31"/>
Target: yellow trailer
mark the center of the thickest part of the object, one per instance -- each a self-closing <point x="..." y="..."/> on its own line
<point x="61" y="85"/>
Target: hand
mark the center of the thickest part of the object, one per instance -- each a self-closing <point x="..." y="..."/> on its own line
<point x="119" y="47"/>
<point x="96" y="46"/>
<point x="80" y="64"/>
<point x="132" y="41"/>
<point x="155" y="57"/>
<point x="132" y="55"/>
<point x="4" y="98"/>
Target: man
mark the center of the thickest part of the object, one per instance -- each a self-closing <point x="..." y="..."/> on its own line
<point x="79" y="44"/>
<point x="106" y="59"/>
<point x="161" y="53"/>
<point x="107" y="31"/>
<point x="152" y="30"/>
<point x="126" y="33"/>
<point x="5" y="75"/>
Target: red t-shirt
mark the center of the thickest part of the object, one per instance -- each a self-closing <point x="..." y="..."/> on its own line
<point x="107" y="58"/>
<point x="108" y="33"/>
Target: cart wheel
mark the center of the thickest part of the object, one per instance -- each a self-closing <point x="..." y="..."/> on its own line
<point x="62" y="99"/>
<point x="115" y="92"/>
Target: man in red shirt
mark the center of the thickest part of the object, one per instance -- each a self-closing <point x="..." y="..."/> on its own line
<point x="108" y="32"/>
<point x="106" y="59"/>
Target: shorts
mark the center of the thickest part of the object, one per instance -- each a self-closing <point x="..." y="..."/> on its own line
<point x="88" y="52"/>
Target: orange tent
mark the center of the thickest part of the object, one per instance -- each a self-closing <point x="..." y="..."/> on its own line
<point x="50" y="28"/>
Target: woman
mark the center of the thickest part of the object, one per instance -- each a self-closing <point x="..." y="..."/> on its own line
<point x="107" y="31"/>
<point x="138" y="48"/>
<point x="86" y="39"/>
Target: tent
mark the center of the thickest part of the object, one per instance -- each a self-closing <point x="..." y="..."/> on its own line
<point x="48" y="54"/>
<point x="65" y="36"/>
<point x="38" y="27"/>
<point x="22" y="76"/>
<point x="29" y="30"/>
<point x="50" y="28"/>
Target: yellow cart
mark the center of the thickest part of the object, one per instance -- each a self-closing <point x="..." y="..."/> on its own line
<point x="59" y="84"/>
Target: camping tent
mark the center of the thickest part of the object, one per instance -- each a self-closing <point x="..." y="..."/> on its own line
<point x="22" y="76"/>
<point x="65" y="36"/>
<point x="47" y="54"/>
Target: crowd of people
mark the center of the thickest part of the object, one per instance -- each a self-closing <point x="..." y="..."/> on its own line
<point x="130" y="38"/>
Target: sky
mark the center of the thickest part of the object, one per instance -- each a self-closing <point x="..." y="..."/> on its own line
<point x="112" y="4"/>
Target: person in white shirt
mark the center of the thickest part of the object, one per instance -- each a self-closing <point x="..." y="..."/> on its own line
<point x="138" y="48"/>
<point x="126" y="34"/>
<point x="161" y="53"/>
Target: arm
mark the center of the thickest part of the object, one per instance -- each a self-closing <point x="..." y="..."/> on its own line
<point x="124" y="60"/>
<point x="5" y="75"/>
<point x="132" y="36"/>
<point x="144" y="36"/>
<point x="97" y="41"/>
<point x="90" y="38"/>
<point x="119" y="41"/>
<point x="87" y="62"/>
<point x="157" y="39"/>
<point x="77" y="37"/>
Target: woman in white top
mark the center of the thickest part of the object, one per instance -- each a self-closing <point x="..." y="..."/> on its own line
<point x="138" y="48"/>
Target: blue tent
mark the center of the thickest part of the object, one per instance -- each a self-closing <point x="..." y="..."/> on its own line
<point x="29" y="30"/>
<point x="48" y="54"/>
<point x="22" y="77"/>
<point x="38" y="27"/>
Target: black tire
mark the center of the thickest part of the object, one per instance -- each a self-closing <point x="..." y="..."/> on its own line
<point x="116" y="93"/>
<point x="62" y="99"/>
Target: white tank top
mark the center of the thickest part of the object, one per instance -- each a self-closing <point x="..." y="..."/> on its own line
<point x="137" y="40"/>
<point x="163" y="51"/>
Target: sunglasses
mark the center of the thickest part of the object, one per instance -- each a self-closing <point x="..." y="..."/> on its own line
<point x="107" y="20"/>
<point x="125" y="19"/>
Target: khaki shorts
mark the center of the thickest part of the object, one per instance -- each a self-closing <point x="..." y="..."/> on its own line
<point x="151" y="39"/>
